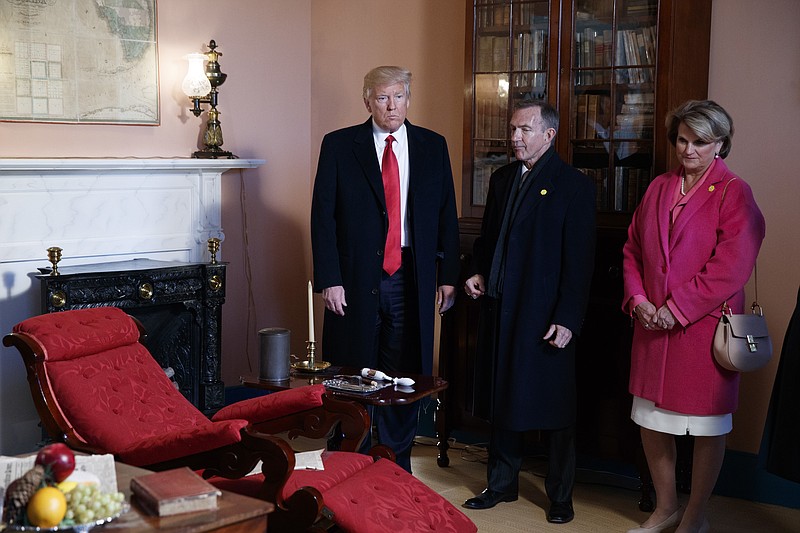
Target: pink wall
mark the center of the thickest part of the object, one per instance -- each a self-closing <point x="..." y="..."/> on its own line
<point x="755" y="75"/>
<point x="295" y="69"/>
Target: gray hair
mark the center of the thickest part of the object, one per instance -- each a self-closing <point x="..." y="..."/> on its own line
<point x="387" y="75"/>
<point x="706" y="118"/>
<point x="548" y="112"/>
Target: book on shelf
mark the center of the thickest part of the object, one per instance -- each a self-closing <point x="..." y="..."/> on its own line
<point x="591" y="116"/>
<point x="175" y="491"/>
<point x="492" y="54"/>
<point x="600" y="178"/>
<point x="641" y="8"/>
<point x="580" y="116"/>
<point x="630" y="184"/>
<point x="485" y="53"/>
<point x="622" y="74"/>
<point x="499" y="54"/>
<point x="636" y="48"/>
<point x="593" y="50"/>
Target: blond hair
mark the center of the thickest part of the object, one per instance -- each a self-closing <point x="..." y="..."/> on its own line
<point x="386" y="75"/>
<point x="706" y="118"/>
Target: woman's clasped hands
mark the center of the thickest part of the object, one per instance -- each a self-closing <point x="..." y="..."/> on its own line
<point x="653" y="319"/>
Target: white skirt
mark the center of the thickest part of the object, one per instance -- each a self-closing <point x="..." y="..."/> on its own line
<point x="646" y="414"/>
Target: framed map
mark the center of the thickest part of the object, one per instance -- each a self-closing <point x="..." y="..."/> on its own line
<point x="79" y="61"/>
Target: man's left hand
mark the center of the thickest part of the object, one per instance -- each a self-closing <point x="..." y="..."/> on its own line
<point x="558" y="336"/>
<point x="445" y="297"/>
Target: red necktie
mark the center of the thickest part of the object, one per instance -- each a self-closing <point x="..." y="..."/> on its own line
<point x="391" y="189"/>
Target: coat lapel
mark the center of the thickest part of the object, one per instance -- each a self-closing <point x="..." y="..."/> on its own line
<point x="416" y="158"/>
<point x="539" y="189"/>
<point x="711" y="189"/>
<point x="664" y="205"/>
<point x="364" y="149"/>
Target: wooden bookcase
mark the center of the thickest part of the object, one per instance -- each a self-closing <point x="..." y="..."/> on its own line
<point x="613" y="69"/>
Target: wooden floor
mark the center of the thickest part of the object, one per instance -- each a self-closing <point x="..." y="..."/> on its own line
<point x="598" y="507"/>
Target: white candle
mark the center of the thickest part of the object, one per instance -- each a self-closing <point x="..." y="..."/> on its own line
<point x="310" y="312"/>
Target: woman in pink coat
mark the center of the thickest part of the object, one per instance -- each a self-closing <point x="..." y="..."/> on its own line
<point x="692" y="245"/>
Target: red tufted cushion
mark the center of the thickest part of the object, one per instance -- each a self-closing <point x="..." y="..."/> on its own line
<point x="115" y="394"/>
<point x="339" y="466"/>
<point x="385" y="497"/>
<point x="82" y="332"/>
<point x="276" y="405"/>
<point x="183" y="442"/>
<point x="369" y="497"/>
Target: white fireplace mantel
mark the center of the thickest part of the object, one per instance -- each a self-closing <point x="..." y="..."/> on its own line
<point x="123" y="165"/>
<point x="96" y="211"/>
<point x="94" y="208"/>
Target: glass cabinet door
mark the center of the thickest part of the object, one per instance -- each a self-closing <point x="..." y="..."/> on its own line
<point x="613" y="77"/>
<point x="510" y="62"/>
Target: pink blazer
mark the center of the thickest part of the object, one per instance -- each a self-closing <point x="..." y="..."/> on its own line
<point x="704" y="260"/>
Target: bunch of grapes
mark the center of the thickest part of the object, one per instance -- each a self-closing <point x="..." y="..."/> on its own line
<point x="86" y="503"/>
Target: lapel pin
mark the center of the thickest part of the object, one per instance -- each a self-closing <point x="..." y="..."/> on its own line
<point x="711" y="188"/>
<point x="543" y="192"/>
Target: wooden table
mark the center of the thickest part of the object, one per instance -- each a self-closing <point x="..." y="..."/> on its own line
<point x="424" y="386"/>
<point x="234" y="514"/>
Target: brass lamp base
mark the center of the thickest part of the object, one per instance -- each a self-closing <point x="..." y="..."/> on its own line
<point x="213" y="154"/>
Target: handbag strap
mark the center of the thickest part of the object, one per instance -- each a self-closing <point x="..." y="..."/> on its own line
<point x="755" y="305"/>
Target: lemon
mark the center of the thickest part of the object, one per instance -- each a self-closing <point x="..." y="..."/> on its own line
<point x="47" y="507"/>
<point x="66" y="486"/>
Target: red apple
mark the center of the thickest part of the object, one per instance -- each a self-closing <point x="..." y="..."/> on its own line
<point x="58" y="459"/>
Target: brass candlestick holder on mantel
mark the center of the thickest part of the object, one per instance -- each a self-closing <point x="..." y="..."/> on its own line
<point x="54" y="256"/>
<point x="213" y="248"/>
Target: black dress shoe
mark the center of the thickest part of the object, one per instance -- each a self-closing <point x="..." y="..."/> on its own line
<point x="560" y="513"/>
<point x="489" y="498"/>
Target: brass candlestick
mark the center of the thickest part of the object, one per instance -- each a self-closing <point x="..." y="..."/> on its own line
<point x="311" y="364"/>
<point x="54" y="256"/>
<point x="213" y="247"/>
<point x="311" y="346"/>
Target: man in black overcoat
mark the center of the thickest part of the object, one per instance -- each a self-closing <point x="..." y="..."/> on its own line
<point x="533" y="264"/>
<point x="376" y="317"/>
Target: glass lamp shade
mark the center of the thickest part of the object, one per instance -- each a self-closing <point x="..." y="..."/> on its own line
<point x="196" y="84"/>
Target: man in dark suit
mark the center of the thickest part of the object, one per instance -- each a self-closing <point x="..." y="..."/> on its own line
<point x="383" y="266"/>
<point x="533" y="265"/>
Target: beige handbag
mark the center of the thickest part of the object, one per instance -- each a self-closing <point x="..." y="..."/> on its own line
<point x="742" y="342"/>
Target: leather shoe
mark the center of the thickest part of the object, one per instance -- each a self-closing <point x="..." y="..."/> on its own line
<point x="560" y="513"/>
<point x="489" y="498"/>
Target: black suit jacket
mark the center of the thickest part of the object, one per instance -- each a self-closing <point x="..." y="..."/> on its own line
<point x="549" y="260"/>
<point x="348" y="233"/>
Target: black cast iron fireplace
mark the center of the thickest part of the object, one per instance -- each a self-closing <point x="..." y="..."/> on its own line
<point x="179" y="304"/>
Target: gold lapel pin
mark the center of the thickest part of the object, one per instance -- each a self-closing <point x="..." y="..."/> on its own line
<point x="711" y="188"/>
<point x="543" y="192"/>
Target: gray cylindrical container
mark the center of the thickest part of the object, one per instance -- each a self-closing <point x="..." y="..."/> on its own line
<point x="275" y="348"/>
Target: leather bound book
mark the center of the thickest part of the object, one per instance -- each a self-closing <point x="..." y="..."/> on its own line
<point x="170" y="492"/>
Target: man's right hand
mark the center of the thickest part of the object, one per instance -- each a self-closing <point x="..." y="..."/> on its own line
<point x="334" y="299"/>
<point x="474" y="286"/>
